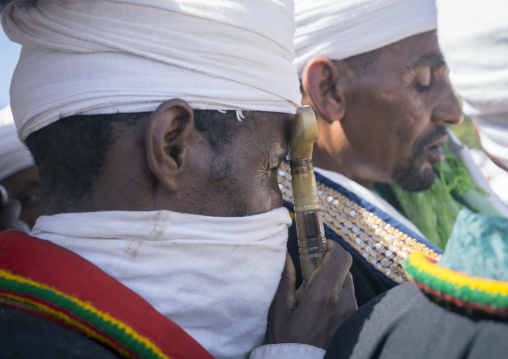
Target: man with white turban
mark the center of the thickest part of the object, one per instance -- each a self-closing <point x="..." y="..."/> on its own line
<point x="158" y="128"/>
<point x="457" y="307"/>
<point x="18" y="177"/>
<point x="373" y="72"/>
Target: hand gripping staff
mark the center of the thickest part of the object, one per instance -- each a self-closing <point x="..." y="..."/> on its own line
<point x="303" y="132"/>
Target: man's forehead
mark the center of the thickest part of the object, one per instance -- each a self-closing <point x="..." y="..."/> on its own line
<point x="267" y="124"/>
<point x="264" y="139"/>
<point x="279" y="129"/>
<point x="284" y="120"/>
<point x="415" y="51"/>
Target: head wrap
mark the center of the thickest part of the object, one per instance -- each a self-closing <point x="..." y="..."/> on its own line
<point x="341" y="29"/>
<point x="14" y="156"/>
<point x="105" y="56"/>
<point x="474" y="40"/>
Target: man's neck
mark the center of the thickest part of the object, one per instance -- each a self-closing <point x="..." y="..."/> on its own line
<point x="343" y="164"/>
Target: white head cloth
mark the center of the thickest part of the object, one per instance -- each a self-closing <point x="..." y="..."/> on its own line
<point x="474" y="39"/>
<point x="341" y="29"/>
<point x="106" y="56"/>
<point x="14" y="156"/>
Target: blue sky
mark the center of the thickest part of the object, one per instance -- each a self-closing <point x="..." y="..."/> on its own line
<point x="9" y="53"/>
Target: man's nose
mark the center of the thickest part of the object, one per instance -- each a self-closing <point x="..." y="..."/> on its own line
<point x="447" y="110"/>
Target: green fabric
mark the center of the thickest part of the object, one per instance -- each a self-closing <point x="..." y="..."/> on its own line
<point x="478" y="246"/>
<point x="435" y="210"/>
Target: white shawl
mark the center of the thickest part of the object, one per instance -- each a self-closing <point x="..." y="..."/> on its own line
<point x="213" y="276"/>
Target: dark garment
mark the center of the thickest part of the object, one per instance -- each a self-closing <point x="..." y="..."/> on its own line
<point x="404" y="323"/>
<point x="26" y="336"/>
<point x="368" y="283"/>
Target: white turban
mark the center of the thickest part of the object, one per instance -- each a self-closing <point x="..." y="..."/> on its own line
<point x="14" y="156"/>
<point x="108" y="56"/>
<point x="473" y="36"/>
<point x="339" y="29"/>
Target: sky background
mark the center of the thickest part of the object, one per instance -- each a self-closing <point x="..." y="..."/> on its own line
<point x="9" y="53"/>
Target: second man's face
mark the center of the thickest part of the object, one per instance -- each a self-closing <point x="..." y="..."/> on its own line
<point x="398" y="110"/>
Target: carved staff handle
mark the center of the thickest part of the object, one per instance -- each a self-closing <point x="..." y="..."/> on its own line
<point x="303" y="133"/>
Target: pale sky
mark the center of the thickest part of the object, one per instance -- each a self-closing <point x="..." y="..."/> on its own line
<point x="9" y="53"/>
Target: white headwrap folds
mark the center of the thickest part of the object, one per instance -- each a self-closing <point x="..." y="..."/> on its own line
<point x="345" y="28"/>
<point x="14" y="156"/>
<point x="473" y="36"/>
<point x="99" y="56"/>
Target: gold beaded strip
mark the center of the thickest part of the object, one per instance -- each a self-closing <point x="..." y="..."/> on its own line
<point x="382" y="245"/>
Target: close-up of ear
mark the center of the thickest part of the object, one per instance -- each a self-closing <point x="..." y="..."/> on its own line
<point x="168" y="131"/>
<point x="321" y="81"/>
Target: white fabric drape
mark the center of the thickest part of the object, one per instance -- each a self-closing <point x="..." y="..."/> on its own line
<point x="14" y="156"/>
<point x="473" y="36"/>
<point x="106" y="56"/>
<point x="341" y="29"/>
<point x="213" y="276"/>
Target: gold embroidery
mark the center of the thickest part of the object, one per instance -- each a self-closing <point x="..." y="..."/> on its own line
<point x="382" y="245"/>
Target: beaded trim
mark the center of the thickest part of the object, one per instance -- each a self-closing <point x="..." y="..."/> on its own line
<point x="487" y="295"/>
<point x="384" y="247"/>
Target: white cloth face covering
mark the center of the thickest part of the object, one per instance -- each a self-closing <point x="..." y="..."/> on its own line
<point x="107" y="56"/>
<point x="341" y="29"/>
<point x="473" y="36"/>
<point x="214" y="276"/>
<point x="14" y="156"/>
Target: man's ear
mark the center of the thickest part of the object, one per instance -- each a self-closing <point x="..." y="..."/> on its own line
<point x="169" y="130"/>
<point x="321" y="81"/>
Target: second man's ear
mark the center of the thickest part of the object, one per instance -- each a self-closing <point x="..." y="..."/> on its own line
<point x="321" y="81"/>
<point x="168" y="132"/>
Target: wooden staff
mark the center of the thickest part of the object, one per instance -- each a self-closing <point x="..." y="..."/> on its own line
<point x="303" y="133"/>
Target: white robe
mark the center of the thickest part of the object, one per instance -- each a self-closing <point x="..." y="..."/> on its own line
<point x="213" y="276"/>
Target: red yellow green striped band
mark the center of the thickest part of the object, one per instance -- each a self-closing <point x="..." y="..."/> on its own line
<point x="465" y="291"/>
<point x="47" y="280"/>
<point x="76" y="313"/>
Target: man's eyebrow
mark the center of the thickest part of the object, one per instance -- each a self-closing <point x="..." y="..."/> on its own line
<point x="432" y="60"/>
